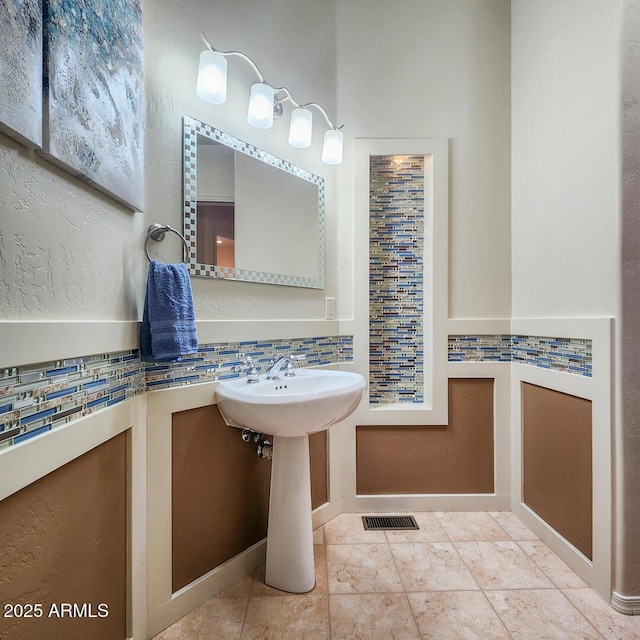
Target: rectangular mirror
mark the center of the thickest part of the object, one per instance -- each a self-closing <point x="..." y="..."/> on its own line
<point x="249" y="215"/>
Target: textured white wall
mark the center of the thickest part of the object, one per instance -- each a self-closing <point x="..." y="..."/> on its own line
<point x="69" y="253"/>
<point x="565" y="169"/>
<point x="433" y="69"/>
<point x="66" y="251"/>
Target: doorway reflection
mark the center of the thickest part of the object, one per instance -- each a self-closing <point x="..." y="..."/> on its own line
<point x="216" y="235"/>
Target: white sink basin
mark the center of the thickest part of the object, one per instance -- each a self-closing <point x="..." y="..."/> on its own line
<point x="290" y="407"/>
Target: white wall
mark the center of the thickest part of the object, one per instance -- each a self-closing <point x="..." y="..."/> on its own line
<point x="66" y="251"/>
<point x="566" y="217"/>
<point x="434" y="69"/>
<point x="292" y="42"/>
<point x="216" y="166"/>
<point x="565" y="105"/>
<point x="276" y="220"/>
<point x="70" y="253"/>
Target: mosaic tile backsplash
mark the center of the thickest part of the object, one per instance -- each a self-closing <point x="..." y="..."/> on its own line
<point x="571" y="355"/>
<point x="37" y="398"/>
<point x="396" y="275"/>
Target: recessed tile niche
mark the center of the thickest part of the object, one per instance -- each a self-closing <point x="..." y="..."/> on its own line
<point x="396" y="279"/>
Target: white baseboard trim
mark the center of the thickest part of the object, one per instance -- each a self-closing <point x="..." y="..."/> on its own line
<point x="596" y="572"/>
<point x="199" y="591"/>
<point x="629" y="605"/>
<point x="325" y="512"/>
<point x="402" y="503"/>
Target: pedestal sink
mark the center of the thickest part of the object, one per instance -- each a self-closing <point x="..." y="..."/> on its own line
<point x="289" y="409"/>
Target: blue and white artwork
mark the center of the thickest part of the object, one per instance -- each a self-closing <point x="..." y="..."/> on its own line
<point x="21" y="71"/>
<point x="94" y="94"/>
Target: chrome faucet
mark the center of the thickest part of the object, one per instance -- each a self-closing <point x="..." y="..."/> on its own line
<point x="275" y="366"/>
<point x="252" y="374"/>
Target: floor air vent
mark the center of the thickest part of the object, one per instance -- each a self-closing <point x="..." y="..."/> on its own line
<point x="389" y="522"/>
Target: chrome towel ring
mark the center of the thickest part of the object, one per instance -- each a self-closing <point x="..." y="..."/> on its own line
<point x="158" y="232"/>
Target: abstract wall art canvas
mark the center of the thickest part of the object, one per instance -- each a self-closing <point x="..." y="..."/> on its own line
<point x="21" y="71"/>
<point x="94" y="94"/>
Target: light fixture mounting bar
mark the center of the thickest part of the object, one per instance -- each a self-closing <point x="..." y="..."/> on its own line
<point x="291" y="99"/>
<point x="288" y="96"/>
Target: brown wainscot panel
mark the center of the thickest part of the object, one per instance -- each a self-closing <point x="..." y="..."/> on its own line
<point x="557" y="462"/>
<point x="64" y="545"/>
<point x="319" y="463"/>
<point x="220" y="492"/>
<point x="457" y="458"/>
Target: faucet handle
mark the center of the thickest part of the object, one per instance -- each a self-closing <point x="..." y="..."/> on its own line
<point x="252" y="374"/>
<point x="291" y="364"/>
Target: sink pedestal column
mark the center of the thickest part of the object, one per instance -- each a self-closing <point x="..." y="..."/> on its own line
<point x="290" y="564"/>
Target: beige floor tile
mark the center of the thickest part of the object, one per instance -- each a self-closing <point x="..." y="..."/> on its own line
<point x="513" y="526"/>
<point x="430" y="531"/>
<point x="431" y="566"/>
<point x="361" y="568"/>
<point x="471" y="526"/>
<point x="347" y="528"/>
<point x="239" y="589"/>
<point x="219" y="618"/>
<point x="554" y="568"/>
<point x="502" y="565"/>
<point x="541" y="614"/>
<point x="260" y="588"/>
<point x="371" y="616"/>
<point x="320" y="558"/>
<point x="456" y="615"/>
<point x="611" y="624"/>
<point x="286" y="618"/>
<point x="530" y="594"/>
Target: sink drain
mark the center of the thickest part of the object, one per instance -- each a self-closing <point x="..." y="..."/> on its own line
<point x="389" y="522"/>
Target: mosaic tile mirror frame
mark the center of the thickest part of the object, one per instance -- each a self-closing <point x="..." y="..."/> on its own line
<point x="276" y="244"/>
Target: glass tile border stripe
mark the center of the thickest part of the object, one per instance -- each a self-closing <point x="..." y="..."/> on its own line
<point x="569" y="355"/>
<point x="36" y="398"/>
<point x="224" y="360"/>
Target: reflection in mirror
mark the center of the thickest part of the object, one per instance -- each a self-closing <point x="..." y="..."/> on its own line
<point x="249" y="215"/>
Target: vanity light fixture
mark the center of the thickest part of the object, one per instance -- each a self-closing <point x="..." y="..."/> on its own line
<point x="332" y="147"/>
<point x="261" y="100"/>
<point x="266" y="102"/>
<point x="212" y="78"/>
<point x="301" y="128"/>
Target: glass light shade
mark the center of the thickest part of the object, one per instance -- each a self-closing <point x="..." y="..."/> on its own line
<point x="332" y="147"/>
<point x="301" y="127"/>
<point x="260" y="114"/>
<point x="212" y="77"/>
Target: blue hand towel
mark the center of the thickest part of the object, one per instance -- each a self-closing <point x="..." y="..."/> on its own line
<point x="168" y="328"/>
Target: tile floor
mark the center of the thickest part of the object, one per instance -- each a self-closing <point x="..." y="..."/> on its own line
<point x="464" y="576"/>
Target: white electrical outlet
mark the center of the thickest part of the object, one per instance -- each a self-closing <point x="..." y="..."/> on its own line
<point x="329" y="308"/>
